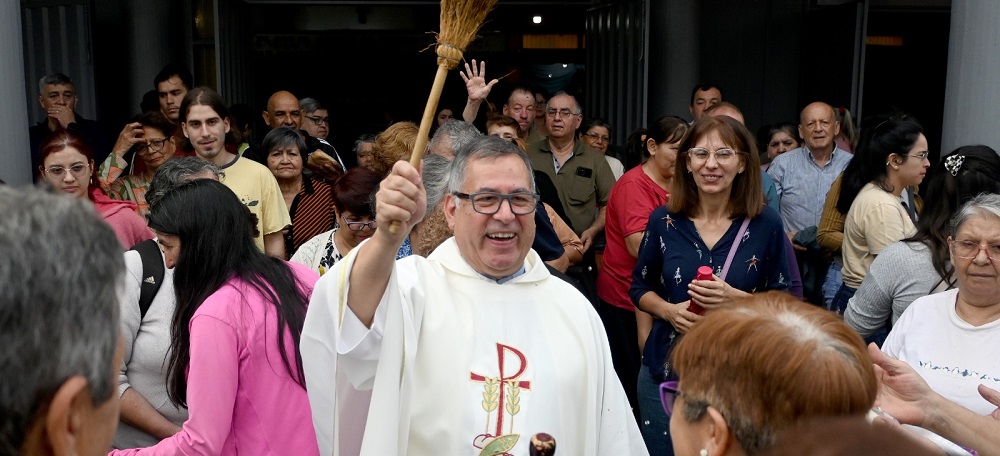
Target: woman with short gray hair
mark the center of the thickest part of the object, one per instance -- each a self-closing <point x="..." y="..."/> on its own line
<point x="952" y="338"/>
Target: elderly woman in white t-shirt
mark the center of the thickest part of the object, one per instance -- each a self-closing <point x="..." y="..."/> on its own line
<point x="952" y="338"/>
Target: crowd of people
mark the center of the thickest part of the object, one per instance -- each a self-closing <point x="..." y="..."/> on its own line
<point x="699" y="290"/>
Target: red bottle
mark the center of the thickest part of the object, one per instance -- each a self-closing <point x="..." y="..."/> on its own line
<point x="704" y="273"/>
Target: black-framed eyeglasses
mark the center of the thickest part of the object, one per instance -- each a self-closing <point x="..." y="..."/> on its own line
<point x="668" y="393"/>
<point x="970" y="250"/>
<point x="152" y="145"/>
<point x="488" y="203"/>
<point x="319" y="120"/>
<point x="359" y="226"/>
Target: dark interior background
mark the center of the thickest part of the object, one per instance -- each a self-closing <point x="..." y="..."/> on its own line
<point x="630" y="61"/>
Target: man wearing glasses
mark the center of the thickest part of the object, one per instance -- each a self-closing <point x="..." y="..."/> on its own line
<point x="315" y="118"/>
<point x="581" y="174"/>
<point x="284" y="110"/>
<point x="473" y="349"/>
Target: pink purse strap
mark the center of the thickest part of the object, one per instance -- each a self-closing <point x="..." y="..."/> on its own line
<point x="736" y="245"/>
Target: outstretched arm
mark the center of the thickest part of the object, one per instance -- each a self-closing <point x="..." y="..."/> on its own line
<point x="907" y="397"/>
<point x="475" y="84"/>
<point x="401" y="198"/>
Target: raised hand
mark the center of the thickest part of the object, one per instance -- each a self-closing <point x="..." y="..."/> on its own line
<point x="401" y="199"/>
<point x="130" y="136"/>
<point x="475" y="81"/>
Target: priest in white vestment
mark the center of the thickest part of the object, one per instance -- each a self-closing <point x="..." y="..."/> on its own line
<point x="470" y="351"/>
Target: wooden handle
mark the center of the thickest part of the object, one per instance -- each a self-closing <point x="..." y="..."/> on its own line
<point x="425" y="124"/>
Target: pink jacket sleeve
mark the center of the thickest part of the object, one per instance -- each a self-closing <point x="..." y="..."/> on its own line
<point x="213" y="378"/>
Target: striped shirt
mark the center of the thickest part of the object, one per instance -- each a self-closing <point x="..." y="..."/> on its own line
<point x="312" y="213"/>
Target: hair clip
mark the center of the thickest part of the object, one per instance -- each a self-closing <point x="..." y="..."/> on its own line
<point x="953" y="164"/>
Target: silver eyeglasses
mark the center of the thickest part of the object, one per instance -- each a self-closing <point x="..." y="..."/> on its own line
<point x="78" y="170"/>
<point x="700" y="154"/>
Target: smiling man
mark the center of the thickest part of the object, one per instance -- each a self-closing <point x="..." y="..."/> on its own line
<point x="803" y="177"/>
<point x="472" y="349"/>
<point x="205" y="121"/>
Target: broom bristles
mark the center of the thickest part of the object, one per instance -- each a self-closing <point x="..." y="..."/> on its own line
<point x="460" y="22"/>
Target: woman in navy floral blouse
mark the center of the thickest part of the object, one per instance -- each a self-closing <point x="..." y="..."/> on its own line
<point x="716" y="188"/>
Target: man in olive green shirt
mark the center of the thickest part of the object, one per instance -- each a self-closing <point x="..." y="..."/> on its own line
<point x="581" y="175"/>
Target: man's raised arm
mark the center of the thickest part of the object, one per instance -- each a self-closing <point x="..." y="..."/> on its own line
<point x="402" y="199"/>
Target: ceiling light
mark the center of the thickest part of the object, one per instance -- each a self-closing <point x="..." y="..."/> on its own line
<point x="537" y="19"/>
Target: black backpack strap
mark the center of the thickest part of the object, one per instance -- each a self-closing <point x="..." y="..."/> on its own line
<point x="152" y="273"/>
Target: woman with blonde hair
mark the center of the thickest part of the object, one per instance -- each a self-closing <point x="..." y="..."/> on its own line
<point x="392" y="145"/>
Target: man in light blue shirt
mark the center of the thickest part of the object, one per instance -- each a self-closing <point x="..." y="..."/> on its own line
<point x="803" y="177"/>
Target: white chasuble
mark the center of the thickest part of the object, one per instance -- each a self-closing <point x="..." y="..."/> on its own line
<point x="456" y="364"/>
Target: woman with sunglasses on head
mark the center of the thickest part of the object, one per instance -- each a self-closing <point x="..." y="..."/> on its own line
<point x="156" y="147"/>
<point x="921" y="264"/>
<point x="715" y="218"/>
<point x="68" y="167"/>
<point x="892" y="156"/>
<point x="753" y="370"/>
<point x="356" y="221"/>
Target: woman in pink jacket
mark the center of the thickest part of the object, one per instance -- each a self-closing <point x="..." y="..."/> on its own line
<point x="234" y="359"/>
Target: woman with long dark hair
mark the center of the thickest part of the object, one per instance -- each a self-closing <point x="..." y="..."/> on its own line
<point x="892" y="156"/>
<point x="636" y="195"/>
<point x="234" y="358"/>
<point x="921" y="264"/>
